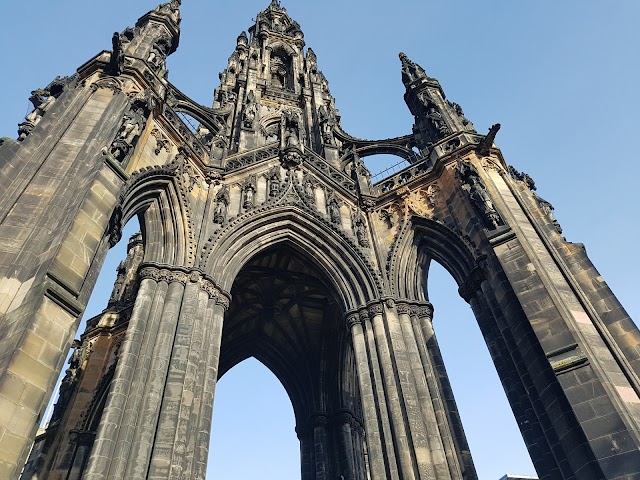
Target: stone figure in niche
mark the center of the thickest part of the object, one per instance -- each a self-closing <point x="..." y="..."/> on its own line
<point x="274" y="184"/>
<point x="327" y="119"/>
<point x="361" y="231"/>
<point x="250" y="111"/>
<point x="42" y="100"/>
<point x="410" y="71"/>
<point x="309" y="189"/>
<point x="290" y="130"/>
<point x="437" y="121"/>
<point x="478" y="194"/>
<point x="130" y="130"/>
<point x="158" y="54"/>
<point x="333" y="208"/>
<point x="222" y="202"/>
<point x="249" y="193"/>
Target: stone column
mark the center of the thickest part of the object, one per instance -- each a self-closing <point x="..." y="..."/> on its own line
<point x="381" y="402"/>
<point x="84" y="441"/>
<point x="436" y="449"/>
<point x="216" y="308"/>
<point x="163" y="398"/>
<point x="105" y="444"/>
<point x="409" y="438"/>
<point x="182" y="418"/>
<point x="369" y="408"/>
<point x="451" y="430"/>
<point x="320" y="446"/>
<point x="346" y="439"/>
<point x="306" y="456"/>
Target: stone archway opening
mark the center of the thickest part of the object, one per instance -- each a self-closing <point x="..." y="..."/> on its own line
<point x="286" y="314"/>
<point x="489" y="424"/>
<point x="253" y="427"/>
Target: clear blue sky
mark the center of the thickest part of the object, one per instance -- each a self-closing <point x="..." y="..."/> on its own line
<point x="560" y="76"/>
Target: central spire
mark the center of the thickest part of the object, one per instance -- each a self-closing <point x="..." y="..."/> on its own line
<point x="272" y="87"/>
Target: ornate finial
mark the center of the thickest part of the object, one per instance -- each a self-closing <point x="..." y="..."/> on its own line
<point x="411" y="71"/>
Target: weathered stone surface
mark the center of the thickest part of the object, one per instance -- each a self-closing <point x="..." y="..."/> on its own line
<point x="264" y="221"/>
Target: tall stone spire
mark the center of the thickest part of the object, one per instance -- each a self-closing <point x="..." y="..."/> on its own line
<point x="269" y="83"/>
<point x="435" y="117"/>
<point x="155" y="36"/>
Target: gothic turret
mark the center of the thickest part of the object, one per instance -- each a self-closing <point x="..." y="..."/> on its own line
<point x="154" y="37"/>
<point x="435" y="116"/>
<point x="275" y="91"/>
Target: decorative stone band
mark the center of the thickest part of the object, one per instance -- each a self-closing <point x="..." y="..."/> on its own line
<point x="342" y="417"/>
<point x="472" y="284"/>
<point x="376" y="307"/>
<point x="352" y="318"/>
<point x="184" y="275"/>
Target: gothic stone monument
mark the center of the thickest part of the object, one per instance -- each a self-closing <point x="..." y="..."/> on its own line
<point x="262" y="235"/>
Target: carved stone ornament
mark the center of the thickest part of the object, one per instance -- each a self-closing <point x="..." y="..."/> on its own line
<point x="360" y="229"/>
<point x="250" y="113"/>
<point x="477" y="192"/>
<point x="425" y="311"/>
<point x="547" y="209"/>
<point x="403" y="308"/>
<point x="411" y="71"/>
<point x="42" y="100"/>
<point x="418" y="202"/>
<point x="333" y="208"/>
<point x="472" y="284"/>
<point x="114" y="230"/>
<point x="522" y="177"/>
<point x="375" y="309"/>
<point x="352" y="320"/>
<point x="222" y="203"/>
<point x="162" y="142"/>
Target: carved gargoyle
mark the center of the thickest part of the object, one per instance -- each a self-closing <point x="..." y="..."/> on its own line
<point x="484" y="148"/>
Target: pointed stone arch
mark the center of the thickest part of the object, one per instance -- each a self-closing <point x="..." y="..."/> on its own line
<point x="158" y="196"/>
<point x="355" y="282"/>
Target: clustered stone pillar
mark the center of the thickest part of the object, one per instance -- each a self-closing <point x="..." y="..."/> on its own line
<point x="409" y="431"/>
<point x="157" y="418"/>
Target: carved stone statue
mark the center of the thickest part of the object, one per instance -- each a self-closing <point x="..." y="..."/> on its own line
<point x="133" y="123"/>
<point x="290" y="129"/>
<point x="250" y="111"/>
<point x="327" y="119"/>
<point x="274" y="183"/>
<point x="478" y="194"/>
<point x="158" y="54"/>
<point x="333" y="208"/>
<point x="249" y="192"/>
<point x="222" y="202"/>
<point x="361" y="231"/>
<point x="410" y="71"/>
<point x="437" y="121"/>
<point x="42" y="100"/>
